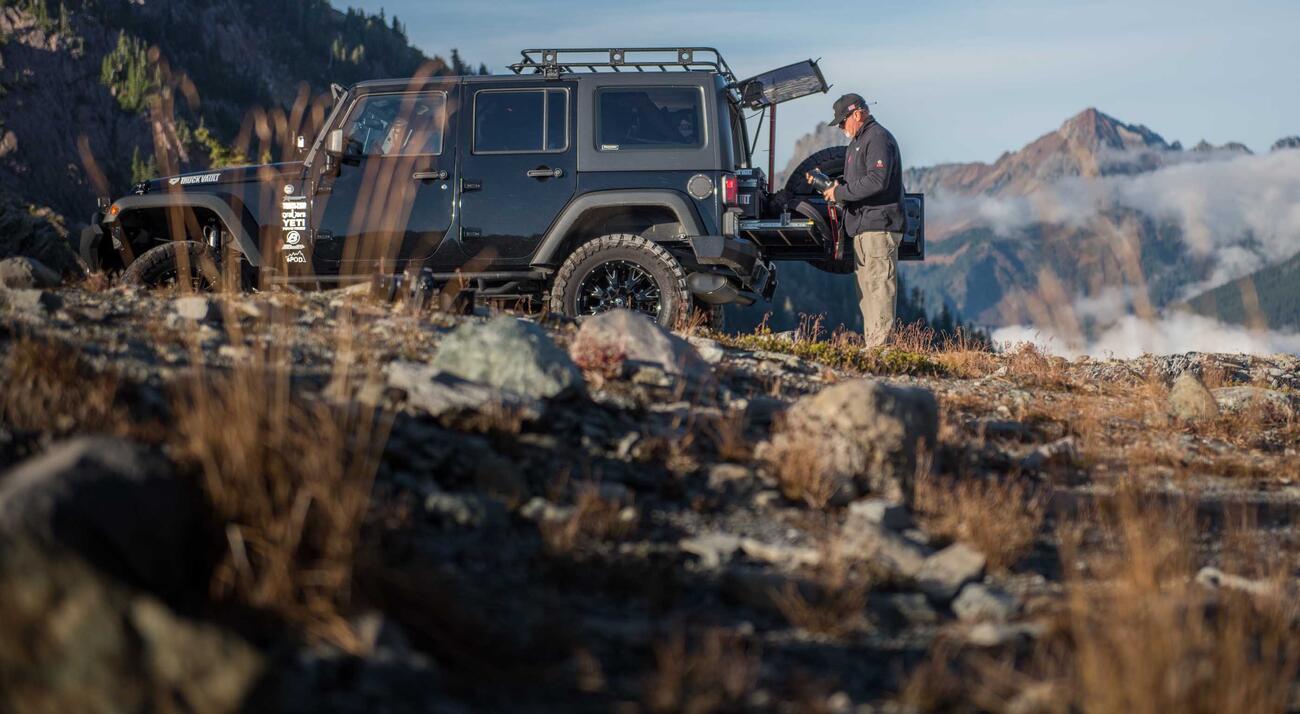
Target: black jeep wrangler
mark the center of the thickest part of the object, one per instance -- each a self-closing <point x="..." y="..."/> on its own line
<point x="583" y="181"/>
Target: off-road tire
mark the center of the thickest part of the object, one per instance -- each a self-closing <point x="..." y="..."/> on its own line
<point x="830" y="161"/>
<point x="160" y="266"/>
<point x="654" y="259"/>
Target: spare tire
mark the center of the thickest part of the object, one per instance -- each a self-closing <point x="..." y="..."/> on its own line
<point x="830" y="161"/>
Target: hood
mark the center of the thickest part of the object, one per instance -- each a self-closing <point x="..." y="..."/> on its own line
<point x="213" y="178"/>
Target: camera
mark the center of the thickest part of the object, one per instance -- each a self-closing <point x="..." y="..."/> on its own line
<point x="819" y="180"/>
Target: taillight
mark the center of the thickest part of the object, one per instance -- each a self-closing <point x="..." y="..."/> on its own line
<point x="730" y="190"/>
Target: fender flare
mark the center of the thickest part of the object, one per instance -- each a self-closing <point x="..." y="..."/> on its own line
<point x="242" y="228"/>
<point x="674" y="201"/>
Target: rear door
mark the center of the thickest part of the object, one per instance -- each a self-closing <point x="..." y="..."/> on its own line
<point x="519" y="169"/>
<point x="391" y="201"/>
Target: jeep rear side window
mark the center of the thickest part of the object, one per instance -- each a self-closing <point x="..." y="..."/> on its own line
<point x="397" y="124"/>
<point x="513" y="121"/>
<point x="649" y="118"/>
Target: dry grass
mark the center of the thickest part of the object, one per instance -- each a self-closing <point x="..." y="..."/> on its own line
<point x="594" y="518"/>
<point x="836" y="605"/>
<point x="289" y="481"/>
<point x="714" y="675"/>
<point x="600" y="361"/>
<point x="1000" y="517"/>
<point x="46" y="386"/>
<point x="1152" y="640"/>
<point x="727" y="435"/>
<point x="801" y="471"/>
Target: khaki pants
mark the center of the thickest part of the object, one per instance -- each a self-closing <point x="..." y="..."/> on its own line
<point x="875" y="255"/>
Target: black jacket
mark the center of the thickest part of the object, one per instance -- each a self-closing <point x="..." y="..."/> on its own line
<point x="872" y="192"/>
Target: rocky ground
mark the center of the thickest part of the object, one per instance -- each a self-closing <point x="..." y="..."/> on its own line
<point x="325" y="502"/>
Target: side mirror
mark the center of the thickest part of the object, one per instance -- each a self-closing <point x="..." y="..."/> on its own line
<point x="334" y="143"/>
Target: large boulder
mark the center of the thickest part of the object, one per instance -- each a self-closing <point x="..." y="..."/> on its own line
<point x="637" y="341"/>
<point x="116" y="505"/>
<point x="1189" y="400"/>
<point x="37" y="233"/>
<point x="511" y="354"/>
<point x="868" y="432"/>
<point x="74" y="640"/>
<point x="24" y="272"/>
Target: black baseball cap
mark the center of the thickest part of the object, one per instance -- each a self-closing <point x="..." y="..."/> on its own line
<point x="845" y="105"/>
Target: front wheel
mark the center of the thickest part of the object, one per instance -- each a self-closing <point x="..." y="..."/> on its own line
<point x="174" y="263"/>
<point x="622" y="271"/>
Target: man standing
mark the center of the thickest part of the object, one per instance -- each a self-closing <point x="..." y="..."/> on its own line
<point x="872" y="197"/>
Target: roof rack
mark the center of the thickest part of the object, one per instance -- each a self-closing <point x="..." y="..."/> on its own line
<point x="555" y="62"/>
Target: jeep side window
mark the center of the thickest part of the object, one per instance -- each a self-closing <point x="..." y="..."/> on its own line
<point x="649" y="118"/>
<point x="397" y="124"/>
<point x="521" y="121"/>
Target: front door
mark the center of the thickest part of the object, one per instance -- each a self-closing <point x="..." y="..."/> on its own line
<point x="391" y="201"/>
<point x="520" y="168"/>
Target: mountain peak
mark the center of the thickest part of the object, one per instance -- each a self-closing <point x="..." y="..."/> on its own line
<point x="1094" y="129"/>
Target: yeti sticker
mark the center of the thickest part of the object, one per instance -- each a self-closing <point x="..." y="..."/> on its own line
<point x="293" y="221"/>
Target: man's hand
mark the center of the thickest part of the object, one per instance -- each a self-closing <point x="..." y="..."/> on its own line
<point x="829" y="194"/>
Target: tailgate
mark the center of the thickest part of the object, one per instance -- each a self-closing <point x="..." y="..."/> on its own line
<point x="805" y="233"/>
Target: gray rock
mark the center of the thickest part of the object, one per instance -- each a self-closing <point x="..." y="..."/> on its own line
<point x="996" y="634"/>
<point x="24" y="272"/>
<point x="1189" y="400"/>
<point x="892" y="551"/>
<point x="195" y="307"/>
<point x="641" y="342"/>
<point x="512" y="354"/>
<point x="30" y="300"/>
<point x="943" y="574"/>
<point x="464" y="511"/>
<point x="1214" y="578"/>
<point x="1061" y="452"/>
<point x="881" y="512"/>
<point x="710" y="351"/>
<point x="713" y="549"/>
<point x="868" y="431"/>
<point x="114" y="504"/>
<point x="903" y="609"/>
<point x="540" y="510"/>
<point x="441" y="394"/>
<point x="103" y="647"/>
<point x="978" y="602"/>
<point x="1237" y="399"/>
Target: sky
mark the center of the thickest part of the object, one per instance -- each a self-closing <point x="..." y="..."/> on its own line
<point x="954" y="81"/>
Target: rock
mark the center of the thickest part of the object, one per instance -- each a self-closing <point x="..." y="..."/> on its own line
<point x="1061" y="452"/>
<point x="114" y="504"/>
<point x="731" y="479"/>
<point x="881" y="512"/>
<point x="867" y="431"/>
<point x="713" y="549"/>
<point x="195" y="307"/>
<point x="942" y="574"/>
<point x="441" y="394"/>
<point x="30" y="300"/>
<point x="978" y="603"/>
<point x="1237" y="399"/>
<point x="895" y="553"/>
<point x="540" y="510"/>
<point x="464" y="511"/>
<point x="780" y="554"/>
<point x="903" y="609"/>
<point x="103" y="647"/>
<point x="1189" y="400"/>
<point x="24" y="272"/>
<point x="1214" y="578"/>
<point x="511" y="354"/>
<point x="640" y="343"/>
<point x="996" y="634"/>
<point x="710" y="351"/>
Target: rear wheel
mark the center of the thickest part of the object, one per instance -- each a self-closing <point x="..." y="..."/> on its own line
<point x="622" y="271"/>
<point x="175" y="263"/>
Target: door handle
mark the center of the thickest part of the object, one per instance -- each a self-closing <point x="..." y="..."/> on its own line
<point x="440" y="175"/>
<point x="544" y="172"/>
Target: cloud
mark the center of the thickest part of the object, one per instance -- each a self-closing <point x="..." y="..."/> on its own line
<point x="1242" y="211"/>
<point x="1131" y="337"/>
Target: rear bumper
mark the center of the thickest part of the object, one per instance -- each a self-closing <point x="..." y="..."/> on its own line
<point x="740" y="258"/>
